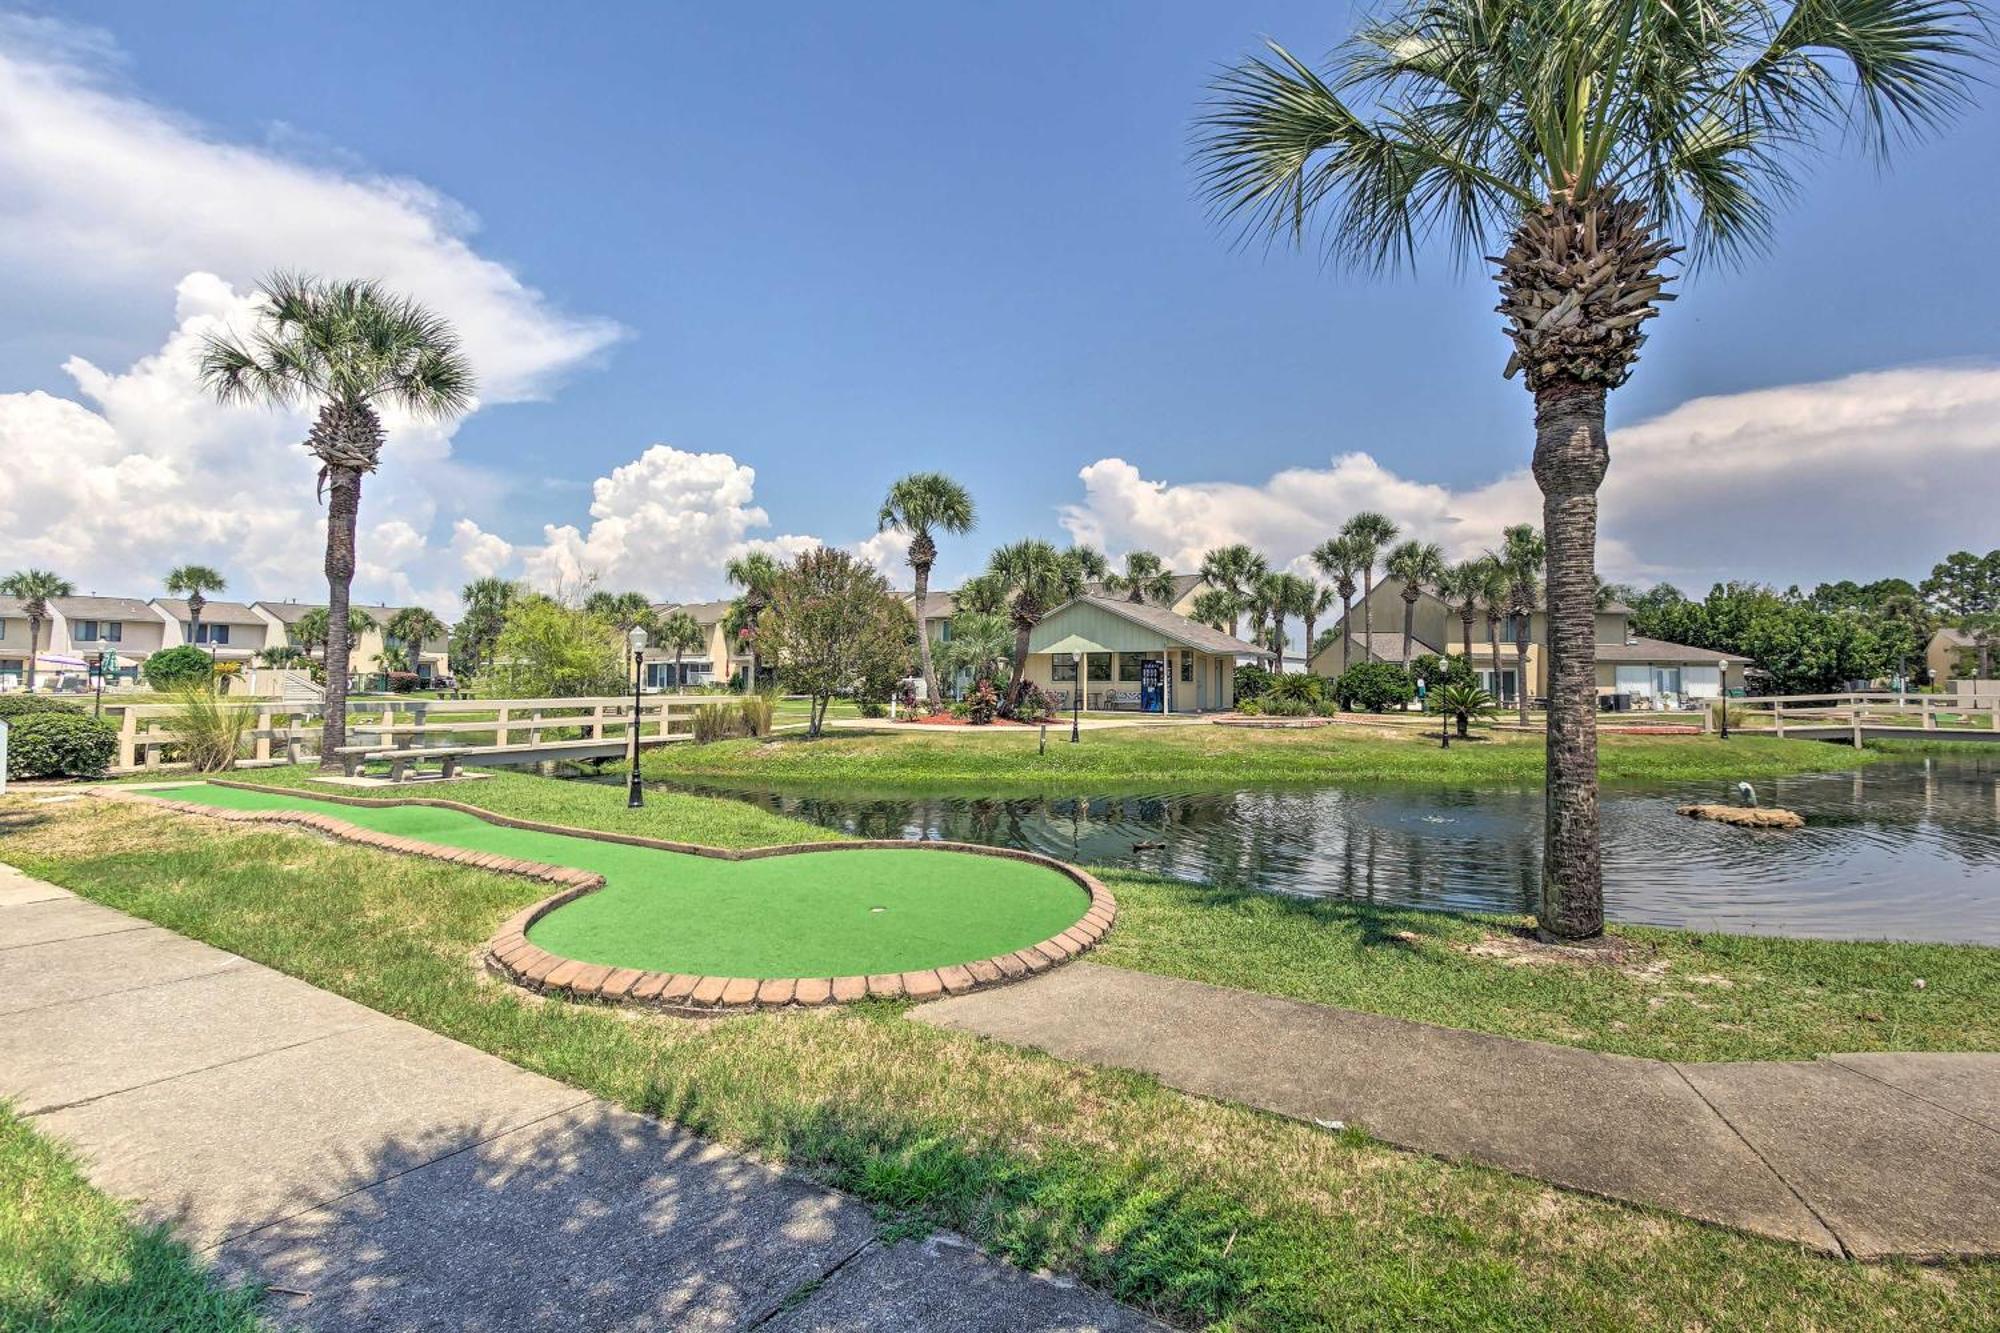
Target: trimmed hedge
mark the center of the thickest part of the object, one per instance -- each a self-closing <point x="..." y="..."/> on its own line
<point x="21" y="705"/>
<point x="172" y="668"/>
<point x="60" y="744"/>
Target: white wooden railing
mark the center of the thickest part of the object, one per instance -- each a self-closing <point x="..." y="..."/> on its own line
<point x="283" y="733"/>
<point x="1855" y="711"/>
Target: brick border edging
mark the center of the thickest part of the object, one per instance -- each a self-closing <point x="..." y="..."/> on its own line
<point x="510" y="955"/>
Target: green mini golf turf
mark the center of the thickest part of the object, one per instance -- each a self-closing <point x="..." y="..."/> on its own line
<point x="810" y="914"/>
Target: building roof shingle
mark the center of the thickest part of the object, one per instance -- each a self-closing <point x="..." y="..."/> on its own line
<point x="103" y="608"/>
<point x="212" y="613"/>
<point x="1171" y="624"/>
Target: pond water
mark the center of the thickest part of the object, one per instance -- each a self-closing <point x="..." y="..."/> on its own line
<point x="1901" y="849"/>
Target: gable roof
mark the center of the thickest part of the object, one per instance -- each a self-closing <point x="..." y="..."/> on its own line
<point x="290" y="613"/>
<point x="103" y="608"/>
<point x="1168" y="624"/>
<point x="704" y="613"/>
<point x="212" y="613"/>
<point x="1637" y="649"/>
<point x="1183" y="585"/>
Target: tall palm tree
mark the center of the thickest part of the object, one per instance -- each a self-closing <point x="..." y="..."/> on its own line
<point x="1265" y="604"/>
<point x="984" y="593"/>
<point x="1574" y="140"/>
<point x="1460" y="585"/>
<point x="195" y="582"/>
<point x="34" y="589"/>
<point x="1521" y="556"/>
<point x="412" y="627"/>
<point x="979" y="643"/>
<point x="1339" y="558"/>
<point x="1314" y="603"/>
<point x="623" y="611"/>
<point x="1370" y="532"/>
<point x="310" y="631"/>
<point x="350" y="347"/>
<point x="1038" y="578"/>
<point x="1493" y="594"/>
<point x="486" y="601"/>
<point x="1235" y="570"/>
<point x="1217" y="609"/>
<point x="756" y="573"/>
<point x="681" y="633"/>
<point x="1146" y="579"/>
<point x="1417" y="565"/>
<point x="922" y="504"/>
<point x="1292" y="597"/>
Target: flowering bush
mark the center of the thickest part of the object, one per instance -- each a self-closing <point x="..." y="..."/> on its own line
<point x="982" y="705"/>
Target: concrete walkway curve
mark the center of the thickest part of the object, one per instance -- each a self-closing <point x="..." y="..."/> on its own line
<point x="1864" y="1155"/>
<point x="375" y="1175"/>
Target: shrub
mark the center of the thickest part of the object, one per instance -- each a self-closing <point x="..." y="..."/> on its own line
<point x="174" y="668"/>
<point x="1036" y="705"/>
<point x="403" y="682"/>
<point x="1374" y="687"/>
<point x="871" y="707"/>
<point x="1462" y="700"/>
<point x="756" y="710"/>
<point x="211" y="732"/>
<point x="1296" y="688"/>
<point x="717" y="722"/>
<point x="59" y="744"/>
<point x="21" y="705"/>
<point x="983" y="705"/>
<point x="1277" y="705"/>
<point x="1437" y="672"/>
<point x="1252" y="682"/>
<point x="1251" y="707"/>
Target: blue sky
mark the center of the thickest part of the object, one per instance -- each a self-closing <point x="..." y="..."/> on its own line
<point x="844" y="242"/>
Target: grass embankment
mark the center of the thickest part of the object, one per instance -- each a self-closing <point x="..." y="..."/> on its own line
<point x="70" y="1258"/>
<point x="1183" y="756"/>
<point x="1195" y="1209"/>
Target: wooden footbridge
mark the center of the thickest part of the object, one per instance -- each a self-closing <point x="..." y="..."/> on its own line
<point x="402" y="732"/>
<point x="1856" y="718"/>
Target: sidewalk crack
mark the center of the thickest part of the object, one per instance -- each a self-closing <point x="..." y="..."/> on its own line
<point x="1744" y="1139"/>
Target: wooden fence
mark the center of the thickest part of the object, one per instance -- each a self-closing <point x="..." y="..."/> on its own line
<point x="1875" y="714"/>
<point x="283" y="733"/>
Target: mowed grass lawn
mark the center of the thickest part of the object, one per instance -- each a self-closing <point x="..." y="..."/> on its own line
<point x="1206" y="1213"/>
<point x="1206" y="755"/>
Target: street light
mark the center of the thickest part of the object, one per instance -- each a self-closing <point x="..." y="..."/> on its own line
<point x="1075" y="693"/>
<point x="1722" y="693"/>
<point x="634" y="795"/>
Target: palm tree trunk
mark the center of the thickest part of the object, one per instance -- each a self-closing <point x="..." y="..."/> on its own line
<point x="1312" y="623"/>
<point x="35" y="651"/>
<point x="1521" y="666"/>
<point x="1409" y="627"/>
<point x="931" y="695"/>
<point x="1465" y="623"/>
<point x="1493" y="655"/>
<point x="343" y="509"/>
<point x="1346" y="633"/>
<point x="1570" y="459"/>
<point x="1024" y="627"/>
<point x="1368" y="610"/>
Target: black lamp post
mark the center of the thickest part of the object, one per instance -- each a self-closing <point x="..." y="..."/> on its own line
<point x="1075" y="696"/>
<point x="1722" y="694"/>
<point x="635" y="796"/>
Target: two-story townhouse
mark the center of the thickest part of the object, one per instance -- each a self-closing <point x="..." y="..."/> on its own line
<point x="715" y="659"/>
<point x="80" y="628"/>
<point x="1661" y="674"/>
<point x="373" y="650"/>
<point x="230" y="631"/>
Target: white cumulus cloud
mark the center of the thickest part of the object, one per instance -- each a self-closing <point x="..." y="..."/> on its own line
<point x="1862" y="476"/>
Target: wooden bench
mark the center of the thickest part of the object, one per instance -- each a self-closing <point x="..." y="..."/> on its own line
<point x="353" y="758"/>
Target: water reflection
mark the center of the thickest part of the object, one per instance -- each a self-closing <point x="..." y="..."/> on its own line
<point x="1901" y="849"/>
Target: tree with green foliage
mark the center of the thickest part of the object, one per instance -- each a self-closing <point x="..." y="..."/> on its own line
<point x="980" y="645"/>
<point x="1340" y="559"/>
<point x="485" y="610"/>
<point x="409" y="629"/>
<point x="309" y="631"/>
<point x="922" y="505"/>
<point x="624" y="611"/>
<point x="1315" y="602"/>
<point x="550" y="651"/>
<point x="34" y="589"/>
<point x="1146" y="579"/>
<point x="755" y="573"/>
<point x="194" y="582"/>
<point x="832" y="627"/>
<point x="679" y="633"/>
<point x="1964" y="584"/>
<point x="1459" y="585"/>
<point x="985" y="593"/>
<point x="1216" y="608"/>
<point x="1373" y="687"/>
<point x="1371" y="534"/>
<point x="1416" y="565"/>
<point x="1234" y="570"/>
<point x="351" y="348"/>
<point x="1038" y="578"/>
<point x="1574" y="141"/>
<point x="177" y="668"/>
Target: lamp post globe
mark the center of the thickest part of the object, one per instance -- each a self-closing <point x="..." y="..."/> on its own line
<point x="1722" y="694"/>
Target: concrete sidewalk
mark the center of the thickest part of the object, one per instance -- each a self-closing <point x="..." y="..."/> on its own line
<point x="1867" y="1155"/>
<point x="376" y="1175"/>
